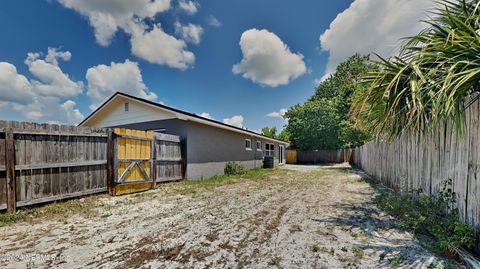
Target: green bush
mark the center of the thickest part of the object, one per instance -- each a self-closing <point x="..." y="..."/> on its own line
<point x="435" y="218"/>
<point x="233" y="168"/>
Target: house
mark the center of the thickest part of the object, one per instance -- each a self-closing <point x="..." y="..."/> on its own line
<point x="209" y="144"/>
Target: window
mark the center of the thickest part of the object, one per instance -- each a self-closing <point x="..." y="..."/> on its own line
<point x="259" y="145"/>
<point x="126" y="107"/>
<point x="248" y="144"/>
<point x="269" y="150"/>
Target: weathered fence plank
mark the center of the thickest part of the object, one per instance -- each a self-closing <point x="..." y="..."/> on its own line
<point x="423" y="162"/>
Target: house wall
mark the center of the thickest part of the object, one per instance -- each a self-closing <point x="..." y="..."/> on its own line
<point x="209" y="148"/>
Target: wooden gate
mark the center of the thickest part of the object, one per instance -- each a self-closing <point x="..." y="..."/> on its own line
<point x="143" y="158"/>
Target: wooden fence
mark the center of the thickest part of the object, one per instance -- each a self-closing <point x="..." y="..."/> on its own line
<point x="423" y="162"/>
<point x="50" y="162"/>
<point x="322" y="156"/>
<point x="143" y="158"/>
<point x="47" y="162"/>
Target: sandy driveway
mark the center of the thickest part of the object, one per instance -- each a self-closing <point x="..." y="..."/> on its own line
<point x="303" y="217"/>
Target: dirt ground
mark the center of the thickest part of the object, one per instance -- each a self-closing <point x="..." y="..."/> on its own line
<point x="295" y="217"/>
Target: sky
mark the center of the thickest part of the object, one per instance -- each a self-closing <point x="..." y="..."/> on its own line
<point x="242" y="62"/>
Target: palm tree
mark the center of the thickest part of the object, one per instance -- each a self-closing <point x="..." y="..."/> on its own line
<point x="434" y="78"/>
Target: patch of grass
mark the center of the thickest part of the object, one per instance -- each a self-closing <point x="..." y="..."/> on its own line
<point x="433" y="219"/>
<point x="315" y="248"/>
<point x="12" y="217"/>
<point x="358" y="253"/>
<point x="62" y="209"/>
<point x="396" y="261"/>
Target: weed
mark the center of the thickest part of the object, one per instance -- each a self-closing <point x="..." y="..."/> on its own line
<point x="433" y="217"/>
<point x="315" y="248"/>
<point x="275" y="262"/>
<point x="396" y="261"/>
<point x="233" y="168"/>
<point x="12" y="217"/>
<point x="358" y="253"/>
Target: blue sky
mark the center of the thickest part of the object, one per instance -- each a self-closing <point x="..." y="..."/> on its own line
<point x="59" y="59"/>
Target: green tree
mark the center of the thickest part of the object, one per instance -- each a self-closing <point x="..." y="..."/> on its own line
<point x="314" y="125"/>
<point x="331" y="104"/>
<point x="270" y="132"/>
<point x="429" y="81"/>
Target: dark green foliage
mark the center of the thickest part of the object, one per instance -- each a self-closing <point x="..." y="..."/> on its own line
<point x="233" y="168"/>
<point x="434" y="218"/>
<point x="323" y="122"/>
<point x="314" y="125"/>
<point x="429" y="82"/>
<point x="272" y="133"/>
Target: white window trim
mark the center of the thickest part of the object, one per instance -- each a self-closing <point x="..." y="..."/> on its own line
<point x="248" y="148"/>
<point x="269" y="152"/>
<point x="259" y="148"/>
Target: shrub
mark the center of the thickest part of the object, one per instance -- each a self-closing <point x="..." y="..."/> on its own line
<point x="433" y="217"/>
<point x="233" y="168"/>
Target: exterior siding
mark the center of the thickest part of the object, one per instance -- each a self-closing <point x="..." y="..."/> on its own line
<point x="209" y="148"/>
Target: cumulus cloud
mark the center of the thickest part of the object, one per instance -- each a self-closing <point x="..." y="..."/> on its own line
<point x="107" y="16"/>
<point x="105" y="80"/>
<point x="267" y="60"/>
<point x="189" y="32"/>
<point x="190" y="7"/>
<point x="372" y="26"/>
<point x="206" y="115"/>
<point x="158" y="47"/>
<point x="277" y="114"/>
<point x="150" y="43"/>
<point x="214" y="22"/>
<point x="41" y="99"/>
<point x="236" y="121"/>
<point x="14" y="87"/>
<point x="52" y="81"/>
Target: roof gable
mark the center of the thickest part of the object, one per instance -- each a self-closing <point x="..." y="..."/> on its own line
<point x="151" y="111"/>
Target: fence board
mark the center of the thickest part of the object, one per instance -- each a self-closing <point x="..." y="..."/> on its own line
<point x="423" y="162"/>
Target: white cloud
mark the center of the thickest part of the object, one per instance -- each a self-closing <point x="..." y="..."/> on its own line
<point x="105" y="80"/>
<point x="107" y="16"/>
<point x="52" y="81"/>
<point x="267" y="60"/>
<point x="190" y="32"/>
<point x="158" y="47"/>
<point x="41" y="98"/>
<point x="53" y="55"/>
<point x="236" y="121"/>
<point x="277" y="114"/>
<point x="13" y="86"/>
<point x="214" y="22"/>
<point x="206" y="115"/>
<point x="50" y="110"/>
<point x="372" y="26"/>
<point x="149" y="43"/>
<point x="190" y="7"/>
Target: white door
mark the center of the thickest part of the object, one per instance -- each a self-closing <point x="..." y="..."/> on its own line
<point x="281" y="154"/>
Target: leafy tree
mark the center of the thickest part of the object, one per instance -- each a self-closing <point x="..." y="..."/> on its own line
<point x="429" y="81"/>
<point x="314" y="125"/>
<point x="270" y="132"/>
<point x="328" y="110"/>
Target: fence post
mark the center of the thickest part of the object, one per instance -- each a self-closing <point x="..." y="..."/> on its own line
<point x="153" y="168"/>
<point x="183" y="149"/>
<point x="10" y="171"/>
<point x="110" y="161"/>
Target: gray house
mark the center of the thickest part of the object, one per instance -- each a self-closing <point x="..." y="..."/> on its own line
<point x="209" y="144"/>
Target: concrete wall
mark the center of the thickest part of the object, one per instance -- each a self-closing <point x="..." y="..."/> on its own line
<point x="209" y="148"/>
